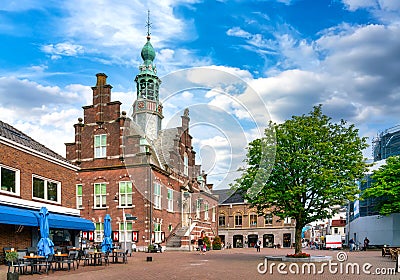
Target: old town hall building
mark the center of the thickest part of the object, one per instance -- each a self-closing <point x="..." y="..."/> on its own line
<point x="145" y="177"/>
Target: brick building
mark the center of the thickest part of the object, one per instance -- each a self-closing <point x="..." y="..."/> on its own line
<point x="146" y="178"/>
<point x="240" y="226"/>
<point x="33" y="176"/>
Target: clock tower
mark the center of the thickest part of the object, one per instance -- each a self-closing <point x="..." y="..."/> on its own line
<point x="147" y="109"/>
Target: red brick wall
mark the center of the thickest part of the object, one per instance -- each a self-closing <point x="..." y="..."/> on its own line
<point x="29" y="165"/>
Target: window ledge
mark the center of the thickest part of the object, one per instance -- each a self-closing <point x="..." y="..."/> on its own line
<point x="126" y="207"/>
<point x="99" y="208"/>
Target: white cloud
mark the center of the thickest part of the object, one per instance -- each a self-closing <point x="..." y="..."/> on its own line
<point x="62" y="49"/>
<point x="238" y="32"/>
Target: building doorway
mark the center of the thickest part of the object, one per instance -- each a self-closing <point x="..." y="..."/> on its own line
<point x="252" y="240"/>
<point x="238" y="241"/>
<point x="287" y="240"/>
<point x="268" y="241"/>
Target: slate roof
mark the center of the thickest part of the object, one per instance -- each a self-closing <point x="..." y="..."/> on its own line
<point x="228" y="196"/>
<point x="11" y="133"/>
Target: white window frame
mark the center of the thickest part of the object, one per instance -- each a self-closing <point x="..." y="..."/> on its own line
<point x="100" y="150"/>
<point x="102" y="197"/>
<point x="170" y="198"/>
<point x="288" y="220"/>
<point x="206" y="211"/>
<point x="46" y="181"/>
<point x="269" y="218"/>
<point x="129" y="230"/>
<point x="219" y="220"/>
<point x="99" y="232"/>
<point x="185" y="164"/>
<point x="241" y="220"/>
<point x="157" y="233"/>
<point x="198" y="208"/>
<point x="17" y="180"/>
<point x="157" y="195"/>
<point x="250" y="219"/>
<point x="125" y="197"/>
<point x="79" y="197"/>
<point x="213" y="214"/>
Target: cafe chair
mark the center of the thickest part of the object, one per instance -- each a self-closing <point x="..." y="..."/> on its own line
<point x="47" y="264"/>
<point x="106" y="258"/>
<point x="125" y="257"/>
<point x="69" y="260"/>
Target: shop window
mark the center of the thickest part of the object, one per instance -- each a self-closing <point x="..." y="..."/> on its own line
<point x="99" y="232"/>
<point x="157" y="233"/>
<point x="129" y="228"/>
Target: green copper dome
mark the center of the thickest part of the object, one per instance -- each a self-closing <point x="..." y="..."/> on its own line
<point x="148" y="52"/>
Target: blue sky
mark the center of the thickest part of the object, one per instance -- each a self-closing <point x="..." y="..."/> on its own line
<point x="294" y="54"/>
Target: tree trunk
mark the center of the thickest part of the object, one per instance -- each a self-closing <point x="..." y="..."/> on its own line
<point x="297" y="238"/>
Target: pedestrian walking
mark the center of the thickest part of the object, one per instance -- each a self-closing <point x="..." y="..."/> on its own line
<point x="258" y="245"/>
<point x="366" y="243"/>
<point x="351" y="244"/>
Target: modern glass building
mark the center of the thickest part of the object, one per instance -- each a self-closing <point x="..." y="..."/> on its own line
<point x="387" y="143"/>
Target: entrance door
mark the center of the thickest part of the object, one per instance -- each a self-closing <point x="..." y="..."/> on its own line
<point x="252" y="239"/>
<point x="287" y="240"/>
<point x="238" y="241"/>
<point x="268" y="241"/>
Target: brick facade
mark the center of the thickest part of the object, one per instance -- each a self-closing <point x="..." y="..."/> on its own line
<point x="130" y="157"/>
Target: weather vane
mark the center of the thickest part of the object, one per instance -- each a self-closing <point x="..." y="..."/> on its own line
<point x="148" y="23"/>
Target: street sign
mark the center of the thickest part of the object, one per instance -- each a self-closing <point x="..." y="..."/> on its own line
<point x="129" y="217"/>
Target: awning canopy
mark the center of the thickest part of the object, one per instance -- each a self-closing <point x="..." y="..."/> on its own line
<point x="70" y="222"/>
<point x="17" y="216"/>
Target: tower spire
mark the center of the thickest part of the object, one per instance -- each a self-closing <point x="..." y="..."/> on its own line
<point x="148" y="24"/>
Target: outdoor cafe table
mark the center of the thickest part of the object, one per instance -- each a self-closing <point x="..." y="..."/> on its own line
<point x="116" y="253"/>
<point x="95" y="258"/>
<point x="58" y="259"/>
<point x="34" y="260"/>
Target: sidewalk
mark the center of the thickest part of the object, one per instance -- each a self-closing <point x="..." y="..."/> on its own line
<point x="232" y="264"/>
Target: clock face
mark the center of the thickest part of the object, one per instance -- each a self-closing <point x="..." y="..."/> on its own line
<point x="141" y="105"/>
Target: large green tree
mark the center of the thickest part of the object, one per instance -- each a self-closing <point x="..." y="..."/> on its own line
<point x="386" y="186"/>
<point x="315" y="168"/>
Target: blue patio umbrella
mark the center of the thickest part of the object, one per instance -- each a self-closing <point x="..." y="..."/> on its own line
<point x="45" y="245"/>
<point x="107" y="243"/>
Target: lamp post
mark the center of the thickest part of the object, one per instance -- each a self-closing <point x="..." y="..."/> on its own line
<point x="123" y="219"/>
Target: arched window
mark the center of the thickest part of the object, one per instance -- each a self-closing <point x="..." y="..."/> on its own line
<point x="142" y="88"/>
<point x="253" y="220"/>
<point x="221" y="220"/>
<point x="238" y="220"/>
<point x="150" y="89"/>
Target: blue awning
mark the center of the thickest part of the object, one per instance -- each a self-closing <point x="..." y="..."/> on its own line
<point x="70" y="222"/>
<point x="16" y="216"/>
<point x="25" y="217"/>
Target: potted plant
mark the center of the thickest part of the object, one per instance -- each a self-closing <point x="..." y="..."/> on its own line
<point x="12" y="257"/>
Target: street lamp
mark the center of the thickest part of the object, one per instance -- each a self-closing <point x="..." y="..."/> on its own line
<point x="116" y="200"/>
